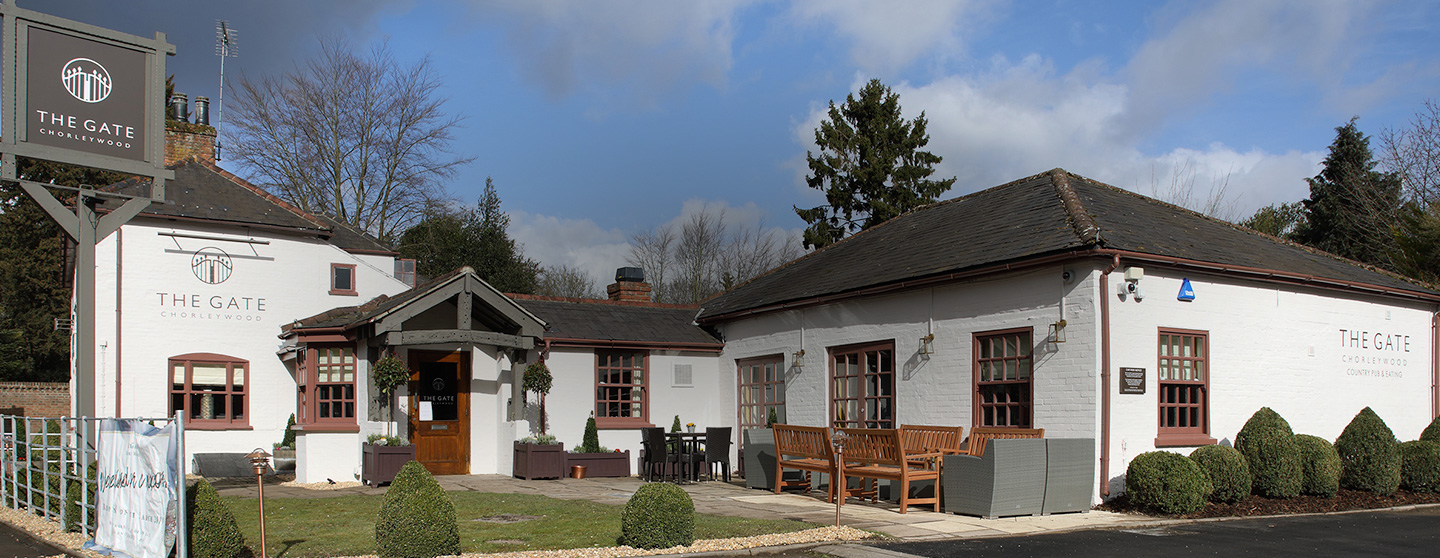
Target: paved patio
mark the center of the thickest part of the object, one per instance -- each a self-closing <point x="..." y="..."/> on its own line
<point x="734" y="499"/>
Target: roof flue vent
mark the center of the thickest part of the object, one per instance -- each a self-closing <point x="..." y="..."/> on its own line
<point x="630" y="275"/>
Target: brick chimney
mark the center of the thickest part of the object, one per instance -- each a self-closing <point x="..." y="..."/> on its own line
<point x="184" y="139"/>
<point x="629" y="286"/>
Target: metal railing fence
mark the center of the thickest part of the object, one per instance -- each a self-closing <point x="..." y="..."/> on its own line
<point x="48" y="468"/>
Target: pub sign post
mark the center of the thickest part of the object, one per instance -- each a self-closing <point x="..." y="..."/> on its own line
<point x="84" y="95"/>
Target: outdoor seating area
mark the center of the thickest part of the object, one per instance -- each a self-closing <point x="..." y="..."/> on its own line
<point x="685" y="456"/>
<point x="935" y="466"/>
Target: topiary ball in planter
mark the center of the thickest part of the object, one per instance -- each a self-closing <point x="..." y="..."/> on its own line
<point x="1420" y="466"/>
<point x="1369" y="455"/>
<point x="1167" y="482"/>
<point x="213" y="532"/>
<point x="1319" y="466"/>
<point x="1227" y="471"/>
<point x="417" y="518"/>
<point x="659" y="515"/>
<point x="1269" y="448"/>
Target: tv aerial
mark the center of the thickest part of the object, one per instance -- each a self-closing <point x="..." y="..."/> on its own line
<point x="225" y="47"/>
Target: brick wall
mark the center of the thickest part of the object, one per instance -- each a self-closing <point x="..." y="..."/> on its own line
<point x="629" y="291"/>
<point x="37" y="399"/>
<point x="193" y="140"/>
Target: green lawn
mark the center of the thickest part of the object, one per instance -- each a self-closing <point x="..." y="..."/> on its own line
<point x="345" y="525"/>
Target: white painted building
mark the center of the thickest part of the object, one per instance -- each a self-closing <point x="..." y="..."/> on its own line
<point x="1070" y="291"/>
<point x="237" y="310"/>
<point x="1052" y="302"/>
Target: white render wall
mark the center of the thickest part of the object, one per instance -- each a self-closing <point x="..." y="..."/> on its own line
<point x="1270" y="345"/>
<point x="1274" y="347"/>
<point x="572" y="398"/>
<point x="935" y="389"/>
<point x="142" y="279"/>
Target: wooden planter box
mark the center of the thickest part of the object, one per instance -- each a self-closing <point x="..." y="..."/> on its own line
<point x="380" y="463"/>
<point x="539" y="461"/>
<point x="613" y="464"/>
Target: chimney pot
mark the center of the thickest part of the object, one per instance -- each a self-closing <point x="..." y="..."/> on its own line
<point x="180" y="107"/>
<point x="202" y="110"/>
<point x="630" y="274"/>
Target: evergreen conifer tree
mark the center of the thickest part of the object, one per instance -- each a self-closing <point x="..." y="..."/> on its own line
<point x="1352" y="206"/>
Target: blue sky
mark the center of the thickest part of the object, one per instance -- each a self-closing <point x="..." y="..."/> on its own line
<point x="601" y="119"/>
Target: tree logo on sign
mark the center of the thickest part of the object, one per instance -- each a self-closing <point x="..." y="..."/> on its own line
<point x="212" y="265"/>
<point x="86" y="80"/>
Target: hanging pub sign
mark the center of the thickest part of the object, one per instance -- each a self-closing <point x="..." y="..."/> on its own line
<point x="1132" y="381"/>
<point x="80" y="94"/>
<point x="85" y="96"/>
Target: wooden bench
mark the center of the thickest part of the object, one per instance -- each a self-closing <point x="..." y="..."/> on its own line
<point x="872" y="454"/>
<point x="806" y="448"/>
<point x="948" y="440"/>
<point x="981" y="435"/>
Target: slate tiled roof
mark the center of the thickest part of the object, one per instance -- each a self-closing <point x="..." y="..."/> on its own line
<point x="202" y="191"/>
<point x="1049" y="214"/>
<point x="605" y="321"/>
<point x="350" y="239"/>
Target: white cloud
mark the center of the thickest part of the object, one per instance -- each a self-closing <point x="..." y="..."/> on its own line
<point x="888" y="36"/>
<point x="1019" y="119"/>
<point x="1014" y="119"/>
<point x="640" y="49"/>
<point x="573" y="242"/>
<point x="583" y="244"/>
<point x="1205" y="52"/>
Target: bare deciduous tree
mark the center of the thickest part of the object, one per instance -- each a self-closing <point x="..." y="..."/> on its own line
<point x="706" y="256"/>
<point x="1414" y="154"/>
<point x="651" y="251"/>
<point x="357" y="136"/>
<point x="1181" y="191"/>
<point x="566" y="281"/>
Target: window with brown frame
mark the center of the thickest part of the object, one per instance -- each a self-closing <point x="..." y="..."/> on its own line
<point x="210" y="390"/>
<point x="342" y="279"/>
<point x="862" y="379"/>
<point x="1004" y="383"/>
<point x="621" y="398"/>
<point x="1184" y="401"/>
<point x="762" y="388"/>
<point x="333" y="384"/>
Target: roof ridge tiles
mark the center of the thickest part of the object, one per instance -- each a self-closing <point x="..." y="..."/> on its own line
<point x="1080" y="219"/>
<point x="579" y="300"/>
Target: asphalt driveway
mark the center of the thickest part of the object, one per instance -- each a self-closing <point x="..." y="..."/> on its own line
<point x="1405" y="533"/>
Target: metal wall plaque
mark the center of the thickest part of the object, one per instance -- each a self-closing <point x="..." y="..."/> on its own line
<point x="1132" y="380"/>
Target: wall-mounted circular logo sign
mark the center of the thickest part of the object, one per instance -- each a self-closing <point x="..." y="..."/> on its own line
<point x="212" y="265"/>
<point x="86" y="80"/>
<point x="438" y="384"/>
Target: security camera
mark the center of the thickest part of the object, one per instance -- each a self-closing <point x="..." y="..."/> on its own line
<point x="1132" y="287"/>
<point x="1067" y="276"/>
<point x="1139" y="292"/>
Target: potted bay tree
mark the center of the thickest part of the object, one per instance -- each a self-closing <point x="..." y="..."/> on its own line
<point x="383" y="454"/>
<point x="539" y="457"/>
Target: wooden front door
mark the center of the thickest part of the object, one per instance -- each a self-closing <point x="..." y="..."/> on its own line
<point x="440" y="411"/>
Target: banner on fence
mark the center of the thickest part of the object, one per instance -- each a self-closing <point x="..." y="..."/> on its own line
<point x="138" y="474"/>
